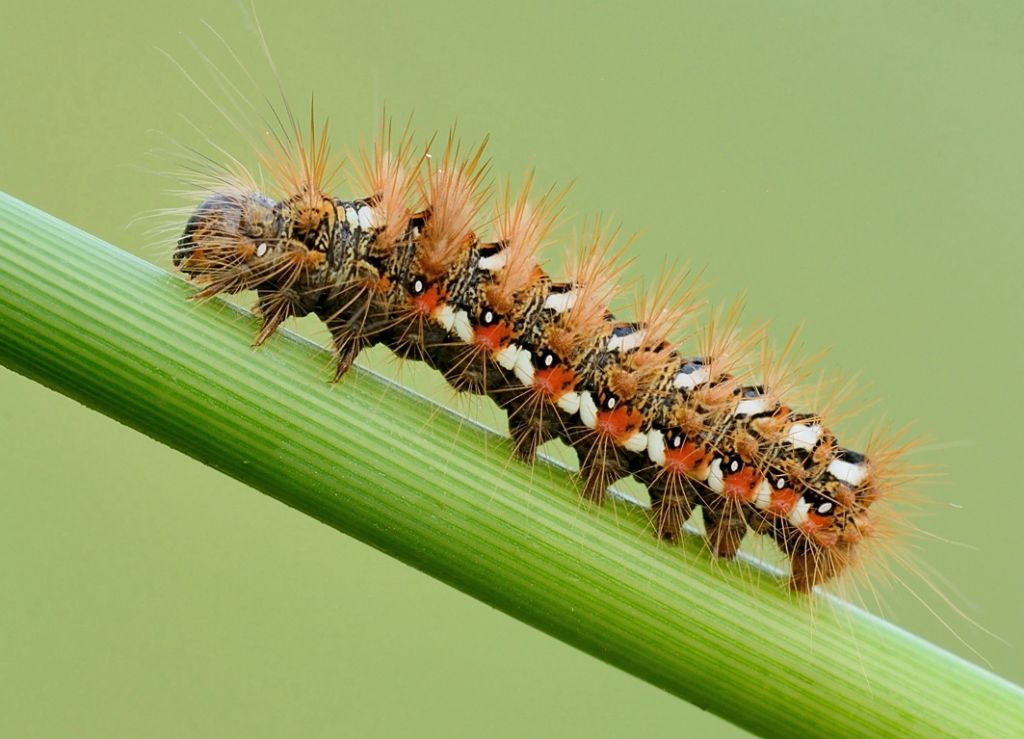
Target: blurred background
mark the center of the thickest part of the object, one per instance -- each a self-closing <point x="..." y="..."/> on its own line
<point x="856" y="171"/>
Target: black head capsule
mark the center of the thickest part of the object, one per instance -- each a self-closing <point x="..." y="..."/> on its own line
<point x="224" y="229"/>
<point x="218" y="213"/>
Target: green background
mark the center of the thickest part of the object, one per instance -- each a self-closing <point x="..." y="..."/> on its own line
<point x="855" y="170"/>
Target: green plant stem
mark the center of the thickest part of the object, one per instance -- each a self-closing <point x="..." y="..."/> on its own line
<point x="391" y="469"/>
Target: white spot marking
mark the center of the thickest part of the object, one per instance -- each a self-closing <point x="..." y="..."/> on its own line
<point x="367" y="218"/>
<point x="570" y="402"/>
<point x="352" y="218"/>
<point x="763" y="495"/>
<point x="494" y="262"/>
<point x="656" y="447"/>
<point x="689" y="381"/>
<point x="851" y="474"/>
<point x="524" y="367"/>
<point x="798" y="516"/>
<point x="716" y="480"/>
<point x="636" y="443"/>
<point x="560" y="302"/>
<point x="825" y="508"/>
<point x="627" y="342"/>
<point x="261" y="250"/>
<point x="751" y="406"/>
<point x="506" y="358"/>
<point x="444" y="315"/>
<point x="463" y="328"/>
<point x="803" y="436"/>
<point x="588" y="410"/>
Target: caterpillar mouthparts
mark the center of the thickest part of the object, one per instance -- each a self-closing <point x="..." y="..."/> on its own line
<point x="696" y="430"/>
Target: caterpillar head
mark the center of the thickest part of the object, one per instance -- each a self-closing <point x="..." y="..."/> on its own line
<point x="231" y="240"/>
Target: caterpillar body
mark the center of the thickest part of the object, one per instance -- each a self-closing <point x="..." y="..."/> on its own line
<point x="405" y="266"/>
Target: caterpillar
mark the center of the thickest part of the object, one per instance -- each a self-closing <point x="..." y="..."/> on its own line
<point x="405" y="264"/>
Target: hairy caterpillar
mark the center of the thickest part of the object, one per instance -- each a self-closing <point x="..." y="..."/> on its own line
<point x="784" y="149"/>
<point x="405" y="266"/>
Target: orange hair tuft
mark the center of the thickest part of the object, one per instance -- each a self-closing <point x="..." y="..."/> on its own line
<point x="456" y="191"/>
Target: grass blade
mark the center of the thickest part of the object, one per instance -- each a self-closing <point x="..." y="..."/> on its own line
<point x="118" y="335"/>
